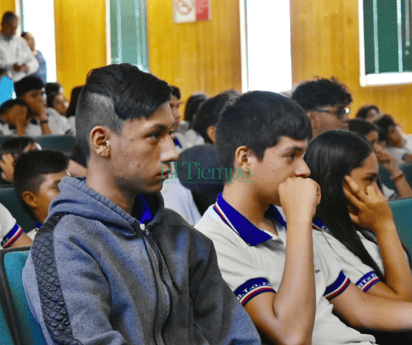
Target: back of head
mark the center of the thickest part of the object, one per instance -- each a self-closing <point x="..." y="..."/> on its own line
<point x="8" y="17"/>
<point x="74" y="98"/>
<point x="330" y="157"/>
<point x="193" y="105"/>
<point x="30" y="170"/>
<point x="384" y="123"/>
<point x="6" y="106"/>
<point x="257" y="120"/>
<point x="210" y="110"/>
<point x="321" y="92"/>
<point x="114" y="94"/>
<point x="16" y="146"/>
<point x="28" y="84"/>
<point x="53" y="87"/>
<point x="361" y="127"/>
<point x="363" y="111"/>
<point x="175" y="91"/>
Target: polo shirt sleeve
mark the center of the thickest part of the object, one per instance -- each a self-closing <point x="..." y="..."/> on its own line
<point x="244" y="277"/>
<point x="362" y="275"/>
<point x="336" y="281"/>
<point x="10" y="231"/>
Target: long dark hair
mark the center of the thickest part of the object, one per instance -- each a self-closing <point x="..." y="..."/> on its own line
<point x="330" y="157"/>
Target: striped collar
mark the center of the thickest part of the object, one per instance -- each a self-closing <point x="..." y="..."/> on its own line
<point x="251" y="234"/>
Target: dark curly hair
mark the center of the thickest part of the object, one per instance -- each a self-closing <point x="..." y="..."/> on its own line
<point x="321" y="92"/>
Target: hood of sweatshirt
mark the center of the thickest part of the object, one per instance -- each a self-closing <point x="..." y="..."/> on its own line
<point x="78" y="199"/>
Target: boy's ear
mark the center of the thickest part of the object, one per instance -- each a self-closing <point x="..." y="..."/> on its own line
<point x="100" y="141"/>
<point x="242" y="157"/>
<point x="211" y="133"/>
<point x="313" y="117"/>
<point x="30" y="199"/>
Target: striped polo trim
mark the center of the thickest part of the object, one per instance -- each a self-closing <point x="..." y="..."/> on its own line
<point x="252" y="288"/>
<point x="12" y="236"/>
<point x="367" y="281"/>
<point x="338" y="286"/>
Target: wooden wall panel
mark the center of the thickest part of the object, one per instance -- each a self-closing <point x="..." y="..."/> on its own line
<point x="7" y="5"/>
<point x="200" y="56"/>
<point x="325" y="42"/>
<point x="80" y="40"/>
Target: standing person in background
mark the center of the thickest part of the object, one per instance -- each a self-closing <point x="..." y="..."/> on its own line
<point x="42" y="70"/>
<point x="15" y="54"/>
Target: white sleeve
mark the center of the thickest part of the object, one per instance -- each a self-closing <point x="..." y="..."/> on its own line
<point x="10" y="231"/>
<point x="333" y="250"/>
<point x="28" y="57"/>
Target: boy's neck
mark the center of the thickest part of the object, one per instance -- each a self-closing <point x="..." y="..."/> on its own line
<point x="247" y="203"/>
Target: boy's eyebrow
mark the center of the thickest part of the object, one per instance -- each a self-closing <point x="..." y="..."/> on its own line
<point x="295" y="149"/>
<point x="156" y="126"/>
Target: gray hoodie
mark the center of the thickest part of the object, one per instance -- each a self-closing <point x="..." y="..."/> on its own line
<point x="96" y="275"/>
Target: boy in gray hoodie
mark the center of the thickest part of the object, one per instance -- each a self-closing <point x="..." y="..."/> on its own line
<point x="111" y="265"/>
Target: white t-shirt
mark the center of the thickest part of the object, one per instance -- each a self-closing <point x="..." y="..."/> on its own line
<point x="59" y="125"/>
<point x="400" y="152"/>
<point x="10" y="231"/>
<point x="252" y="261"/>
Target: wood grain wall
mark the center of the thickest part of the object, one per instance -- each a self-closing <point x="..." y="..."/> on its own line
<point x="325" y="42"/>
<point x="200" y="56"/>
<point x="80" y="40"/>
<point x="7" y="5"/>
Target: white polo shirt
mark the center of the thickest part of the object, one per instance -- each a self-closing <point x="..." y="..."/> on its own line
<point x="10" y="231"/>
<point x="252" y="261"/>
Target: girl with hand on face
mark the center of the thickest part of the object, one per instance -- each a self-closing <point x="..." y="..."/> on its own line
<point x="354" y="218"/>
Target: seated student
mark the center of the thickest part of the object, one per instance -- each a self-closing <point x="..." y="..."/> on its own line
<point x="133" y="272"/>
<point x="288" y="290"/>
<point x="36" y="178"/>
<point x="370" y="132"/>
<point x="46" y="120"/>
<point x="11" y="233"/>
<point x="346" y="169"/>
<point x="368" y="113"/>
<point x="14" y="117"/>
<point x="326" y="101"/>
<point x="10" y="151"/>
<point x="208" y="115"/>
<point x="193" y="105"/>
<point x="57" y="102"/>
<point x="398" y="145"/>
<point x="180" y="142"/>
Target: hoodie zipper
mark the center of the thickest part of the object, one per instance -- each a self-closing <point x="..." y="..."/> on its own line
<point x="161" y="268"/>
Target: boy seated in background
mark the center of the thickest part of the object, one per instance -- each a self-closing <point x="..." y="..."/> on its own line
<point x="36" y="178"/>
<point x="14" y="117"/>
<point x="46" y="120"/>
<point x="286" y="284"/>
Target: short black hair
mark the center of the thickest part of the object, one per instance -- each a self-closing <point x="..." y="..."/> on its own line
<point x="362" y="127"/>
<point x="24" y="34"/>
<point x="321" y="92"/>
<point x="30" y="170"/>
<point x="114" y="94"/>
<point x="208" y="113"/>
<point x="363" y="111"/>
<point x="28" y="84"/>
<point x="8" y="17"/>
<point x="384" y="122"/>
<point x="74" y="98"/>
<point x="16" y="146"/>
<point x="6" y="106"/>
<point x="193" y="105"/>
<point x="175" y="91"/>
<point x="52" y="87"/>
<point x="257" y="120"/>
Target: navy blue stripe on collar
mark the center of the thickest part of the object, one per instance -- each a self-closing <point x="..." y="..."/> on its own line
<point x="142" y="210"/>
<point x="177" y="142"/>
<point x="251" y="234"/>
<point x="38" y="225"/>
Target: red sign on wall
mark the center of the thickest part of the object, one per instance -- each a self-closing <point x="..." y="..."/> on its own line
<point x="186" y="11"/>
